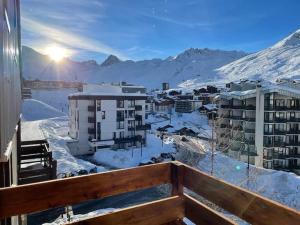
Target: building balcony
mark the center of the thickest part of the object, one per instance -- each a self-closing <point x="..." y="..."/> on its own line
<point x="97" y="143"/>
<point x="288" y="168"/>
<point x="91" y="119"/>
<point x="35" y="152"/>
<point x="146" y="126"/>
<point x="275" y="144"/>
<point x="138" y="108"/>
<point x="127" y="139"/>
<point x="275" y="108"/>
<point x="250" y="107"/>
<point x="275" y="132"/>
<point x="294" y="143"/>
<point x="91" y="108"/>
<point x="139" y="117"/>
<point x="171" y="210"/>
<point x="293" y="120"/>
<point x="131" y="128"/>
<point x="91" y="131"/>
<point x="276" y="120"/>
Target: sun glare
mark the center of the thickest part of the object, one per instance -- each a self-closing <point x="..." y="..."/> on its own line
<point x="56" y="53"/>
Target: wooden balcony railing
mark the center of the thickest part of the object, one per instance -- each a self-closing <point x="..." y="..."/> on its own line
<point x="248" y="206"/>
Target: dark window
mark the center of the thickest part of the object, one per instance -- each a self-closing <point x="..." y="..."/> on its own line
<point x="98" y="105"/>
<point x="131" y="103"/>
<point x="103" y="115"/>
<point x="120" y="116"/>
<point x="120" y="103"/>
<point x="98" y="131"/>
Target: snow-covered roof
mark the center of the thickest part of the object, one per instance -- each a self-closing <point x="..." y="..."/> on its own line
<point x="210" y="107"/>
<point x="266" y="87"/>
<point x="102" y="94"/>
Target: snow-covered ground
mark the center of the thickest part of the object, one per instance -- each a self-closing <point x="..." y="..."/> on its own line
<point x="57" y="98"/>
<point x="133" y="157"/>
<point x="33" y="109"/>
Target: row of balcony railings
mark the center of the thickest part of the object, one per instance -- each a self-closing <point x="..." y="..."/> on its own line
<point x="281" y="108"/>
<point x="267" y="107"/>
<point x="244" y="118"/>
<point x="242" y="107"/>
<point x="281" y="144"/>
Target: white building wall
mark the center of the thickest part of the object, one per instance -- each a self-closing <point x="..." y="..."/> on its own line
<point x="109" y="124"/>
<point x="259" y="127"/>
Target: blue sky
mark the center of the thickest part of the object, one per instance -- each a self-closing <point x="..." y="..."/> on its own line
<point x="145" y="29"/>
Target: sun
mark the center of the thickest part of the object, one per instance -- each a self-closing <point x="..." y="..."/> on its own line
<point x="56" y="53"/>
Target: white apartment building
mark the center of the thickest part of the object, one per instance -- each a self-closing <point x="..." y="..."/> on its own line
<point x="260" y="123"/>
<point x="107" y="116"/>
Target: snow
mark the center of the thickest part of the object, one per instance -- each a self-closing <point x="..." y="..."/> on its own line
<point x="55" y="130"/>
<point x="57" y="98"/>
<point x="77" y="217"/>
<point x="279" y="61"/>
<point x="133" y="157"/>
<point x="33" y="109"/>
<point x="194" y="121"/>
<point x="280" y="186"/>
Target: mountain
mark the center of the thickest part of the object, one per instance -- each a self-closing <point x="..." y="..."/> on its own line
<point x="280" y="60"/>
<point x="189" y="65"/>
<point x="112" y="59"/>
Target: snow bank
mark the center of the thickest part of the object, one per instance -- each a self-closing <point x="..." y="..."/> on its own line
<point x="280" y="186"/>
<point x="36" y="110"/>
<point x="133" y="157"/>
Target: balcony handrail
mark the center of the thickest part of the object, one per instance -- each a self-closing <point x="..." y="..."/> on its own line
<point x="247" y="205"/>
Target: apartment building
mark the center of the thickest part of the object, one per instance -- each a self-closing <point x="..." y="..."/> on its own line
<point x="260" y="123"/>
<point x="107" y="116"/>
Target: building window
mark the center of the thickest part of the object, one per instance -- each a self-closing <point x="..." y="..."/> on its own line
<point x="98" y="131"/>
<point x="98" y="105"/>
<point x="103" y="115"/>
<point x="131" y="103"/>
<point x="120" y="125"/>
<point x="120" y="115"/>
<point x="120" y="103"/>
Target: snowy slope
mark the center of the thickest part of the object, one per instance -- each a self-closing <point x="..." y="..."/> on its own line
<point x="37" y="110"/>
<point x="280" y="60"/>
<point x="191" y="64"/>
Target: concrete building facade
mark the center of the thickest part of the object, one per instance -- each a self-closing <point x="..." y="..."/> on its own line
<point x="107" y="116"/>
<point x="260" y="123"/>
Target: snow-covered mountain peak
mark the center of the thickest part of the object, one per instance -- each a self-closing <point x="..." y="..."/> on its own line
<point x="282" y="60"/>
<point x="111" y="59"/>
<point x="292" y="40"/>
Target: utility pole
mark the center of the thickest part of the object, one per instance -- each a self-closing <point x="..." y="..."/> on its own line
<point x="212" y="147"/>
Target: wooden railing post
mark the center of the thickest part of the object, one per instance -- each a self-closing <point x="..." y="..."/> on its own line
<point x="177" y="178"/>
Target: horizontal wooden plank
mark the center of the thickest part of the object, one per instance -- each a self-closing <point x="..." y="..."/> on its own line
<point x="34" y="172"/>
<point x="35" y="142"/>
<point x="199" y="213"/>
<point x="41" y="196"/>
<point x="176" y="222"/>
<point x="247" y="205"/>
<point x="156" y="212"/>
